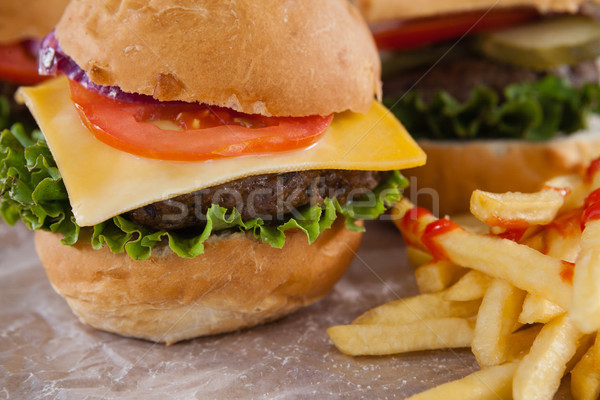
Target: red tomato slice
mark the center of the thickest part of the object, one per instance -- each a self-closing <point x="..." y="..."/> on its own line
<point x="207" y="132"/>
<point x="426" y="31"/>
<point x="18" y="66"/>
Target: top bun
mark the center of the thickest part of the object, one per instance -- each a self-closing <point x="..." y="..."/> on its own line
<point x="269" y="57"/>
<point x="28" y="19"/>
<point x="381" y="10"/>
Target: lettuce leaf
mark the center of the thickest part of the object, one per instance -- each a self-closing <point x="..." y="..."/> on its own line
<point x="32" y="190"/>
<point x="531" y="110"/>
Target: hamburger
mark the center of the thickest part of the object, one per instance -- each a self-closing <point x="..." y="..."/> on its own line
<point x="22" y="25"/>
<point x="501" y="95"/>
<point x="205" y="165"/>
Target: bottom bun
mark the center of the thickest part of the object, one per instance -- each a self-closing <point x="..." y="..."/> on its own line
<point x="237" y="283"/>
<point x="455" y="169"/>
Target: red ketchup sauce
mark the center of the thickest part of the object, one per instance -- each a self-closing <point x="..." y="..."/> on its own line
<point x="566" y="273"/>
<point x="591" y="210"/>
<point x="434" y="230"/>
<point x="410" y="224"/>
<point x="592" y="169"/>
<point x="515" y="234"/>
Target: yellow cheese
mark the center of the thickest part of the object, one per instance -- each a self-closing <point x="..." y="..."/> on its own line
<point x="103" y="182"/>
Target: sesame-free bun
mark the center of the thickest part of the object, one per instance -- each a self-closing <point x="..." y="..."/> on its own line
<point x="28" y="19"/>
<point x="455" y="169"/>
<point x="269" y="57"/>
<point x="237" y="283"/>
<point x="382" y="10"/>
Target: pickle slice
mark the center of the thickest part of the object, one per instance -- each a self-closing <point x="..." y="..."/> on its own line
<point x="545" y="44"/>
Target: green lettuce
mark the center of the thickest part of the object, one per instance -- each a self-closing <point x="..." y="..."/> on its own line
<point x="533" y="111"/>
<point x="32" y="190"/>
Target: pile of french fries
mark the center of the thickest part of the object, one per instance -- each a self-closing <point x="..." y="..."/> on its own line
<point x="521" y="289"/>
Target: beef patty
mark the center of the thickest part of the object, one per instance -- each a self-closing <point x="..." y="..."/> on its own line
<point x="271" y="197"/>
<point x="459" y="76"/>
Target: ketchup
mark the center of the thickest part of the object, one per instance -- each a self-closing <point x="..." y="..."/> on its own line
<point x="410" y="223"/>
<point x="592" y="169"/>
<point x="568" y="223"/>
<point x="591" y="210"/>
<point x="510" y="224"/>
<point x="434" y="230"/>
<point x="515" y="234"/>
<point x="566" y="273"/>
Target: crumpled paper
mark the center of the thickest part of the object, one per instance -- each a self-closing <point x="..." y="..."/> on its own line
<point x="45" y="352"/>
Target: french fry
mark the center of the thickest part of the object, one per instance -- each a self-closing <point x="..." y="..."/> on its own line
<point x="538" y="309"/>
<point x="574" y="186"/>
<point x="417" y="257"/>
<point x="493" y="383"/>
<point x="585" y="377"/>
<point x="585" y="308"/>
<point x="496" y="320"/>
<point x="469" y="223"/>
<point x="411" y="222"/>
<point x="436" y="276"/>
<point x="471" y="286"/>
<point x="357" y="340"/>
<point x="524" y="267"/>
<point x="513" y="209"/>
<point x="540" y="372"/>
<point x="418" y="308"/>
<point x="519" y="275"/>
<point x="563" y="237"/>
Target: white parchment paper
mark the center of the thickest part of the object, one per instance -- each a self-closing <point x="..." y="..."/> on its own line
<point x="46" y="353"/>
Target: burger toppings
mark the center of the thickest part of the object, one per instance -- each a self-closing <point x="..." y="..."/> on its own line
<point x="33" y="190"/>
<point x="271" y="197"/>
<point x="402" y="35"/>
<point x="508" y="73"/>
<point x="105" y="185"/>
<point x="18" y="62"/>
<point x="196" y="132"/>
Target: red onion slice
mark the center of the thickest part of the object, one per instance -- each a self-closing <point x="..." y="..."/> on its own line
<point x="53" y="61"/>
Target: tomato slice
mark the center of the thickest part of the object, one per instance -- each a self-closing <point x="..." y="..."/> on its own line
<point x="426" y="31"/>
<point x="206" y="132"/>
<point x="18" y="65"/>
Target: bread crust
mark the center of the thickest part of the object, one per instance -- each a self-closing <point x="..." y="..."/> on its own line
<point x="275" y="58"/>
<point x="455" y="169"/>
<point x="239" y="282"/>
<point x="385" y="10"/>
<point x="28" y="19"/>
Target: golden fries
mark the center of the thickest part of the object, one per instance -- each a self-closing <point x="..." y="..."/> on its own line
<point x="516" y="210"/>
<point x="492" y="383"/>
<point x="471" y="286"/>
<point x="380" y="339"/>
<point x="538" y="309"/>
<point x="418" y="308"/>
<point x="416" y="256"/>
<point x="585" y="377"/>
<point x="523" y="266"/>
<point x="539" y="373"/>
<point x="523" y="291"/>
<point x="435" y="276"/>
<point x="496" y="320"/>
<point x="585" y="310"/>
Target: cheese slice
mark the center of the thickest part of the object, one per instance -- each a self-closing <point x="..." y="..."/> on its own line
<point x="103" y="182"/>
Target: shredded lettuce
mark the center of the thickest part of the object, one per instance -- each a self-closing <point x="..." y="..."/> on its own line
<point x="32" y="190"/>
<point x="532" y="110"/>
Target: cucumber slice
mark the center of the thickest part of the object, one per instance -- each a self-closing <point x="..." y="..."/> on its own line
<point x="542" y="45"/>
